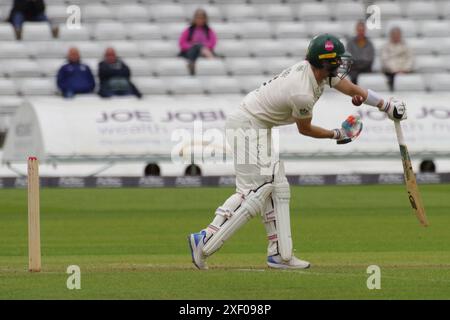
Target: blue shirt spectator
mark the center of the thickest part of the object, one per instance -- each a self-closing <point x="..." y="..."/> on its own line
<point x="75" y="77"/>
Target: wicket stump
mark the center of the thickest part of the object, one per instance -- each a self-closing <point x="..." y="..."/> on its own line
<point x="34" y="237"/>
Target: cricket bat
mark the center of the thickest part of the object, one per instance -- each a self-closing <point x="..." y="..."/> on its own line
<point x="410" y="178"/>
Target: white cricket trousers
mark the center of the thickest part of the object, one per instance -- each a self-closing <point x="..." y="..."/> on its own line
<point x="251" y="143"/>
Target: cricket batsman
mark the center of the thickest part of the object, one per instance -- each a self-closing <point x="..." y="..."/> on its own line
<point x="287" y="98"/>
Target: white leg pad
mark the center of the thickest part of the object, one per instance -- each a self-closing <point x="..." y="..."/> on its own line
<point x="252" y="205"/>
<point x="281" y="197"/>
<point x="268" y="217"/>
<point x="224" y="212"/>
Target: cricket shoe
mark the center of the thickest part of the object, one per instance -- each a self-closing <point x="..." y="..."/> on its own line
<point x="196" y="243"/>
<point x="277" y="263"/>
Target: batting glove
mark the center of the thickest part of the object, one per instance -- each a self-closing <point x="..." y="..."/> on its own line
<point x="395" y="109"/>
<point x="350" y="130"/>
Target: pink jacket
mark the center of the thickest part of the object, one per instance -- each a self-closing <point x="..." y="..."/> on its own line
<point x="198" y="36"/>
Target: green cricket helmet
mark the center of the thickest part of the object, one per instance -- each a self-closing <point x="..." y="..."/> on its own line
<point x="327" y="51"/>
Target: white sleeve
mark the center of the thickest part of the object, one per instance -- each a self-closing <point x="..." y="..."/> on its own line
<point x="302" y="106"/>
<point x="334" y="81"/>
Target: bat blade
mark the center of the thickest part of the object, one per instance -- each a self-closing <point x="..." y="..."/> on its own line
<point x="412" y="188"/>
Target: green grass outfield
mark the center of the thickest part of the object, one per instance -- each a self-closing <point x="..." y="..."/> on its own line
<point x="131" y="244"/>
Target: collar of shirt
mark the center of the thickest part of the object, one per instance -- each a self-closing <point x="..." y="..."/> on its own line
<point x="318" y="88"/>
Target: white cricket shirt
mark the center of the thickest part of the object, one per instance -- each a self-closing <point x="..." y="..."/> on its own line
<point x="291" y="94"/>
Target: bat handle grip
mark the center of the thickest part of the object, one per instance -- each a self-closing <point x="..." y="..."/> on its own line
<point x="399" y="132"/>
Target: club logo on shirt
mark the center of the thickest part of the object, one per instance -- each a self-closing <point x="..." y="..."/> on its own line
<point x="329" y="45"/>
<point x="304" y="111"/>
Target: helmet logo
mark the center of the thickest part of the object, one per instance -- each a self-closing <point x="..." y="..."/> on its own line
<point x="329" y="45"/>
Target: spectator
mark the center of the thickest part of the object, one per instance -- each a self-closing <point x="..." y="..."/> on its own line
<point x="114" y="77"/>
<point x="396" y="57"/>
<point x="362" y="51"/>
<point x="75" y="77"/>
<point x="197" y="40"/>
<point x="27" y="10"/>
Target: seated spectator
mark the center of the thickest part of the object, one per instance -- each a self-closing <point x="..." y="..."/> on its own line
<point x="396" y="57"/>
<point x="114" y="77"/>
<point x="75" y="77"/>
<point x="197" y="40"/>
<point x="26" y="10"/>
<point x="362" y="51"/>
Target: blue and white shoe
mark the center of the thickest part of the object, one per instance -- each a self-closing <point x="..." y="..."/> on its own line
<point x="277" y="263"/>
<point x="196" y="245"/>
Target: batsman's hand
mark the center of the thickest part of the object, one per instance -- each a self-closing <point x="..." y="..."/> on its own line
<point x="395" y="109"/>
<point x="349" y="131"/>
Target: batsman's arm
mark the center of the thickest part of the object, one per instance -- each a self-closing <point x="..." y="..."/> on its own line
<point x="369" y="97"/>
<point x="307" y="129"/>
<point x="395" y="109"/>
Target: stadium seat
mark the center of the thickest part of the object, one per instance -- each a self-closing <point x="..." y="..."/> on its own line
<point x="438" y="81"/>
<point x="13" y="49"/>
<point x="118" y="2"/>
<point x="92" y="63"/>
<point x="422" y="10"/>
<point x="37" y="87"/>
<point x="240" y="13"/>
<point x="143" y="31"/>
<point x="374" y="81"/>
<point x="210" y="67"/>
<point x="244" y="66"/>
<point x="18" y="68"/>
<point x="444" y="46"/>
<point x="172" y="31"/>
<point x="426" y="64"/>
<point x="36" y="31"/>
<point x="158" y="49"/>
<point x="219" y="85"/>
<point x="376" y="66"/>
<point x="226" y="30"/>
<point x="110" y="30"/>
<point x="88" y="49"/>
<point x="409" y="82"/>
<point x="185" y="85"/>
<point x="83" y="33"/>
<point x="296" y="49"/>
<point x="167" y="13"/>
<point x="435" y="28"/>
<point x="151" y="85"/>
<point x="250" y="83"/>
<point x="389" y="10"/>
<point x="256" y="30"/>
<point x="57" y="13"/>
<point x="232" y="48"/>
<point x="276" y="12"/>
<point x="139" y="67"/>
<point x="50" y="67"/>
<point x="7" y="87"/>
<point x="264" y="48"/>
<point x="316" y="28"/>
<point x="422" y="46"/>
<point x="349" y="10"/>
<point x="291" y="30"/>
<point x="6" y="32"/>
<point x="96" y="12"/>
<point x="313" y="11"/>
<point x="445" y="9"/>
<point x="408" y="27"/>
<point x="46" y="49"/>
<point x="131" y="13"/>
<point x="171" y="67"/>
<point x="275" y="66"/>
